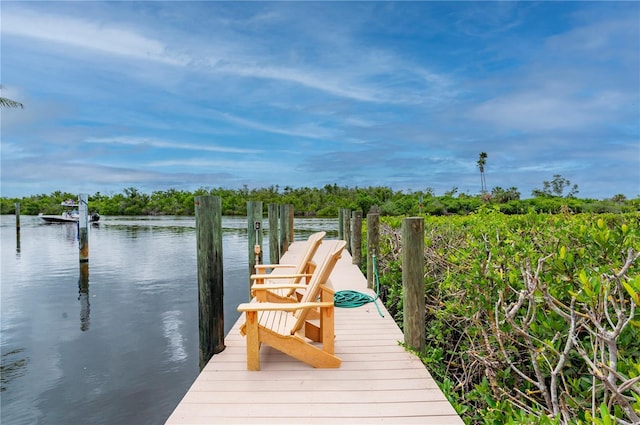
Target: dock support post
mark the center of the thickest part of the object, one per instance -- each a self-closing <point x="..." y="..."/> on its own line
<point x="274" y="252"/>
<point x="373" y="240"/>
<point x="17" y="208"/>
<point x="413" y="282"/>
<point x="346" y="215"/>
<point x="83" y="245"/>
<point x="208" y="212"/>
<point x="254" y="233"/>
<point x="284" y="231"/>
<point x="341" y="223"/>
<point x="290" y="228"/>
<point x="356" y="238"/>
<point x="83" y="296"/>
<point x="83" y="227"/>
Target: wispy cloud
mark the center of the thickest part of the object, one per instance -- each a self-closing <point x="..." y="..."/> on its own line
<point x="358" y="93"/>
<point x="91" y="35"/>
<point x="163" y="144"/>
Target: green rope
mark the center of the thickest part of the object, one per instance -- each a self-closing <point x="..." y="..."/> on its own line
<point x="352" y="299"/>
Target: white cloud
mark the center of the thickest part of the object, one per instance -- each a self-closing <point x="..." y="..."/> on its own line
<point x="163" y="144"/>
<point x="86" y="34"/>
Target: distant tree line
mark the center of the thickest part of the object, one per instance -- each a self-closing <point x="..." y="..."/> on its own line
<point x="327" y="200"/>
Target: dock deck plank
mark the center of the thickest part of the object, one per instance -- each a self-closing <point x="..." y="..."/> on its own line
<point x="378" y="381"/>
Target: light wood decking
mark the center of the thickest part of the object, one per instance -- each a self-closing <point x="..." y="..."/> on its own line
<point x="378" y="381"/>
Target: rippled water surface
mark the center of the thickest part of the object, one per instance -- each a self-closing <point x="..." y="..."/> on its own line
<point x="122" y="346"/>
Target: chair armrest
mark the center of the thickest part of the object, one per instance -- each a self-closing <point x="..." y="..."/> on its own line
<point x="273" y="266"/>
<point x="282" y="306"/>
<point x="278" y="276"/>
<point x="270" y="286"/>
<point x="262" y="268"/>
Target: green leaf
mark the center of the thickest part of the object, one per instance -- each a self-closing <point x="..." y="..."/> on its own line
<point x="605" y="415"/>
<point x="582" y="276"/>
<point x="635" y="297"/>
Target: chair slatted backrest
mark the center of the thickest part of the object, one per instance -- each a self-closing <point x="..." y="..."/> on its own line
<point x="320" y="276"/>
<point x="313" y="243"/>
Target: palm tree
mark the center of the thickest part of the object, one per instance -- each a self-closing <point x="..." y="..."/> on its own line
<point x="481" y="163"/>
<point x="8" y="103"/>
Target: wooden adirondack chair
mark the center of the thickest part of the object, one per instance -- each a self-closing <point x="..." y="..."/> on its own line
<point x="302" y="271"/>
<point x="287" y="327"/>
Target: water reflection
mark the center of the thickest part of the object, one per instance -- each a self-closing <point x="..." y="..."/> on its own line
<point x="12" y="365"/>
<point x="134" y="352"/>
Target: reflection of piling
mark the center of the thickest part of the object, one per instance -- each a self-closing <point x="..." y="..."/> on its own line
<point x="83" y="296"/>
<point x="210" y="277"/>
<point x="83" y="227"/>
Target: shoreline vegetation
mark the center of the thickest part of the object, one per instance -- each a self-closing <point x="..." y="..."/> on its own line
<point x="531" y="304"/>
<point x="327" y="201"/>
<point x="531" y="318"/>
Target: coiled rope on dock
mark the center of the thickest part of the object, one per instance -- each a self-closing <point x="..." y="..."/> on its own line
<point x="352" y="299"/>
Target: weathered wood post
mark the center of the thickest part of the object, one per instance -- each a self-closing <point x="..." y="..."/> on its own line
<point x="341" y="224"/>
<point x="83" y="296"/>
<point x="17" y="208"/>
<point x="413" y="282"/>
<point x="254" y="233"/>
<point x="356" y="238"/>
<point x="347" y="228"/>
<point x="83" y="245"/>
<point x="274" y="252"/>
<point x="290" y="228"/>
<point x="83" y="227"/>
<point x="284" y="231"/>
<point x="208" y="212"/>
<point x="373" y="240"/>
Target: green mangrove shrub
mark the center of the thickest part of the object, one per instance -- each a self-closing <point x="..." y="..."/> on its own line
<point x="530" y="318"/>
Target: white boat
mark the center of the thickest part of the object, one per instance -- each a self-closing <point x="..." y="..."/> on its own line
<point x="69" y="215"/>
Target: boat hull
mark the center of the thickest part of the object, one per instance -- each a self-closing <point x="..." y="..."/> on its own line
<point x="51" y="219"/>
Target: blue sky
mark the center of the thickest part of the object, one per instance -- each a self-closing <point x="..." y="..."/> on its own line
<point x="184" y="95"/>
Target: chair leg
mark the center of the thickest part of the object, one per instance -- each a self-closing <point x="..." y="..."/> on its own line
<point x="253" y="341"/>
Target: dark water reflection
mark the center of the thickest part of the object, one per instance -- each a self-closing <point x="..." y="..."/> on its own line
<point x="116" y="343"/>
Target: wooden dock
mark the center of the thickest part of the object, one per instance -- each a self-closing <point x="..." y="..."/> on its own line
<point x="378" y="381"/>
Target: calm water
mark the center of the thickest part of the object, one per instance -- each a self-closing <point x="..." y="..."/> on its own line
<point x="121" y="348"/>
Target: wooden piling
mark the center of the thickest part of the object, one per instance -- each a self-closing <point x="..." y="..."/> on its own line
<point x="83" y="297"/>
<point x="413" y="282"/>
<point x="284" y="229"/>
<point x="83" y="227"/>
<point x="346" y="216"/>
<point x="17" y="208"/>
<point x="373" y="240"/>
<point x="254" y="234"/>
<point x="274" y="249"/>
<point x="356" y="238"/>
<point x="208" y="213"/>
<point x="341" y="224"/>
<point x="290" y="227"/>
